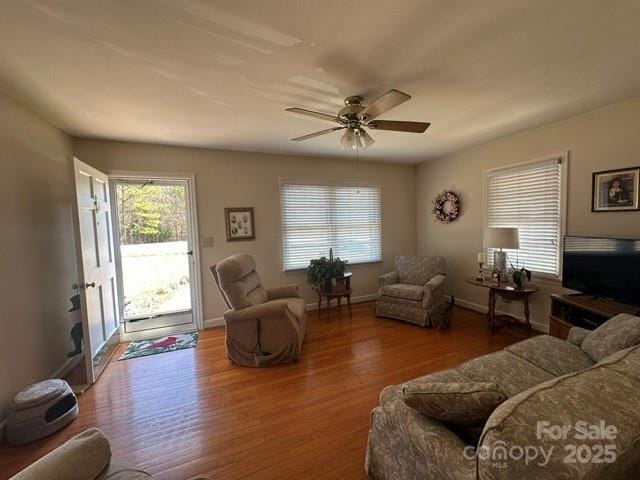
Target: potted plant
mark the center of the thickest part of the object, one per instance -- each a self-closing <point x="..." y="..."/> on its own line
<point x="318" y="272"/>
<point x="321" y="271"/>
<point x="337" y="272"/>
<point x="520" y="275"/>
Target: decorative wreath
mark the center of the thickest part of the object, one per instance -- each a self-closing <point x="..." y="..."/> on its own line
<point x="446" y="207"/>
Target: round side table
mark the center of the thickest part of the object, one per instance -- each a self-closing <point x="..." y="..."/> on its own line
<point x="338" y="291"/>
<point x="509" y="293"/>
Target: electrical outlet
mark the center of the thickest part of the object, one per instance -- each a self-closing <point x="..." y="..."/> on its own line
<point x="207" y="242"/>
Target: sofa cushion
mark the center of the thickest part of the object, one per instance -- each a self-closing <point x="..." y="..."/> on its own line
<point x="392" y="393"/>
<point x="399" y="301"/>
<point x="577" y="335"/>
<point x="466" y="404"/>
<point x="511" y="373"/>
<point x="403" y="290"/>
<point x="82" y="457"/>
<point x="617" y="333"/>
<point x="604" y="392"/>
<point x="552" y="355"/>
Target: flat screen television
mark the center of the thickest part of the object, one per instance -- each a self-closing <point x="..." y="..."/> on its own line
<point x="602" y="267"/>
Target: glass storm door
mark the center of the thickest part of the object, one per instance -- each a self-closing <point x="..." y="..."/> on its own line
<point x="154" y="240"/>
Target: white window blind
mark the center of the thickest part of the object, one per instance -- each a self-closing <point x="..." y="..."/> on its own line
<point x="529" y="197"/>
<point x="316" y="218"/>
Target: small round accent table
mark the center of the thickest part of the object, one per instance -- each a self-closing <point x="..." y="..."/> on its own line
<point x="342" y="288"/>
<point x="509" y="293"/>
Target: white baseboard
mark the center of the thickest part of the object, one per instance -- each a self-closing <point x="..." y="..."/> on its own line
<point x="358" y="299"/>
<point x="219" y="322"/>
<point x="67" y="366"/>
<point x="214" y="322"/>
<point x="540" y="327"/>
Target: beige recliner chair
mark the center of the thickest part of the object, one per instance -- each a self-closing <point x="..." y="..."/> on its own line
<point x="263" y="326"/>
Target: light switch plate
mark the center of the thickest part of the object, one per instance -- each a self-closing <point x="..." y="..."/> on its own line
<point x="207" y="242"/>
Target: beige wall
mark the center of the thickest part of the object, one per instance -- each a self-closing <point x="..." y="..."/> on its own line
<point x="603" y="139"/>
<point x="36" y="244"/>
<point x="238" y="179"/>
<point x="38" y="264"/>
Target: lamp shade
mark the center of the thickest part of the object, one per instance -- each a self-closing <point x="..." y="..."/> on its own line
<point x="348" y="139"/>
<point x="501" y="237"/>
<point x="364" y="139"/>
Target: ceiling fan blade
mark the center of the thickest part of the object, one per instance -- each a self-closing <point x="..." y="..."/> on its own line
<point x="398" y="126"/>
<point x="311" y="113"/>
<point x="391" y="99"/>
<point x="316" y="134"/>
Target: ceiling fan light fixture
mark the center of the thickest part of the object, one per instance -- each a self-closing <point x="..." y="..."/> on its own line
<point x="355" y="116"/>
<point x="348" y="139"/>
<point x="364" y="139"/>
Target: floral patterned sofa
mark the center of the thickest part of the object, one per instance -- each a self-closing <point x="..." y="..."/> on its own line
<point x="413" y="292"/>
<point x="543" y="394"/>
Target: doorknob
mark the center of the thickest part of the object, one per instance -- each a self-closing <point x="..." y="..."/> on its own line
<point x="90" y="285"/>
<point x="190" y="252"/>
<point x="75" y="286"/>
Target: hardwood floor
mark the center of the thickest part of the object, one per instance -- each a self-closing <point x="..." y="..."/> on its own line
<point x="192" y="412"/>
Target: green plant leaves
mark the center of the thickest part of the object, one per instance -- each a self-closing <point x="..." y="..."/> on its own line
<point x="322" y="269"/>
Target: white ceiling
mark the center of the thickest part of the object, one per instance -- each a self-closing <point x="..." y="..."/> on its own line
<point x="220" y="73"/>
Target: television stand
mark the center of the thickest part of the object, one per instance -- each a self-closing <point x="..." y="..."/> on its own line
<point x="580" y="310"/>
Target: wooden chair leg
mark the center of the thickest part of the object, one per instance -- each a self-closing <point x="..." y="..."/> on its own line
<point x="491" y="312"/>
<point x="525" y="302"/>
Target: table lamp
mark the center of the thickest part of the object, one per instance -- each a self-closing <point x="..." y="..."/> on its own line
<point x="482" y="257"/>
<point x="499" y="238"/>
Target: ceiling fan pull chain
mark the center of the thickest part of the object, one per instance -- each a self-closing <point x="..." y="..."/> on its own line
<point x="357" y="166"/>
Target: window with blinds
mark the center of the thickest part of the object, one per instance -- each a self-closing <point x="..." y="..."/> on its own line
<point x="529" y="197"/>
<point x="316" y="218"/>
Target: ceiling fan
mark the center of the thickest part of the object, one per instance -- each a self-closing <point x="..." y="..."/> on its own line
<point x="354" y="117"/>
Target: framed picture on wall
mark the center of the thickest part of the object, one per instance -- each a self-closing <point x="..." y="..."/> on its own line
<point x="616" y="190"/>
<point x="239" y="223"/>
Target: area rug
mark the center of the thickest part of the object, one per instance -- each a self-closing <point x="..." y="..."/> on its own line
<point x="171" y="343"/>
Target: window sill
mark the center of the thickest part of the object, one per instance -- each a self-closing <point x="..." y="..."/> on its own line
<point x="540" y="278"/>
<point x="355" y="265"/>
<point x="554" y="282"/>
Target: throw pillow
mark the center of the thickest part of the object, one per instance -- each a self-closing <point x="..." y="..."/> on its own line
<point x="466" y="404"/>
<point x="617" y="333"/>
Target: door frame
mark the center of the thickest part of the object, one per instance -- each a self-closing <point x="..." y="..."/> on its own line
<point x="190" y="180"/>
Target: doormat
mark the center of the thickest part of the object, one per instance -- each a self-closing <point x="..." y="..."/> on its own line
<point x="171" y="343"/>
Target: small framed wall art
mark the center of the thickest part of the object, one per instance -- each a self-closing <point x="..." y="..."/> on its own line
<point x="239" y="223"/>
<point x="616" y="190"/>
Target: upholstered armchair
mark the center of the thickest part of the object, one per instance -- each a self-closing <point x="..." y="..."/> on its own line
<point x="414" y="292"/>
<point x="262" y="326"/>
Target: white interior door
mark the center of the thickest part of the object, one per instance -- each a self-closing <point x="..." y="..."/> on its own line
<point x="96" y="266"/>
